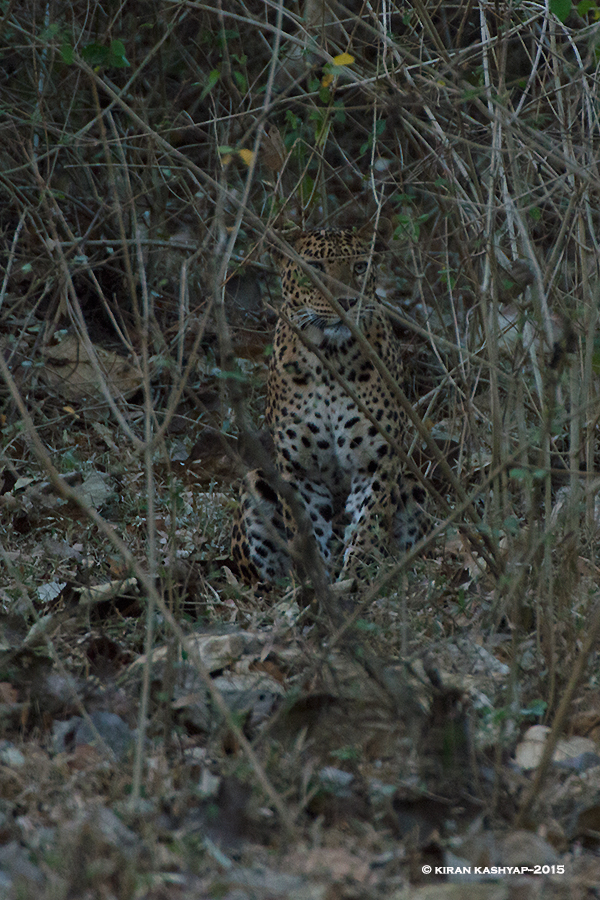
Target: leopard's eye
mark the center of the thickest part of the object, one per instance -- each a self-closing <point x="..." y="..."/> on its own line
<point x="361" y="267"/>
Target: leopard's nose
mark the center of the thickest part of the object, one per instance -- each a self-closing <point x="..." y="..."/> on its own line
<point x="347" y="303"/>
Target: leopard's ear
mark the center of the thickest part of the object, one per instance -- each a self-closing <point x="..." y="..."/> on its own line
<point x="385" y="233"/>
<point x="383" y="236"/>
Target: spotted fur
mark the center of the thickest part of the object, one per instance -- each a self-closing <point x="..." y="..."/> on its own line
<point x="341" y="465"/>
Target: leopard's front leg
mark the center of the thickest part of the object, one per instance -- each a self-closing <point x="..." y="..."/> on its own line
<point x="318" y="503"/>
<point x="371" y="507"/>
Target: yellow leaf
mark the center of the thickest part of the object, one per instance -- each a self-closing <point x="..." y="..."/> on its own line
<point x="342" y="59"/>
<point x="69" y="409"/>
<point x="326" y="80"/>
<point x="247" y="156"/>
<point x="225" y="160"/>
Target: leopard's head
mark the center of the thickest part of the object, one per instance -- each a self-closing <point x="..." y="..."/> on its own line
<point x="345" y="264"/>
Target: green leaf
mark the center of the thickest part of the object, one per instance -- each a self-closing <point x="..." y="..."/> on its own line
<point x="511" y="525"/>
<point x="95" y="54"/>
<point x="241" y="81"/>
<point x="212" y="79"/>
<point x="347" y="752"/>
<point x="340" y="113"/>
<point x="363" y="625"/>
<point x="117" y="58"/>
<point x="519" y="474"/>
<point x="561" y="9"/>
<point x="292" y="119"/>
<point x="112" y="57"/>
<point x="232" y="376"/>
<point x="66" y="51"/>
<point x="227" y="34"/>
<point x="306" y="188"/>
<point x="584" y="6"/>
<point x="49" y="32"/>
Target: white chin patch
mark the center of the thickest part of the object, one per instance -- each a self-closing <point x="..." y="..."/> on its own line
<point x="337" y="334"/>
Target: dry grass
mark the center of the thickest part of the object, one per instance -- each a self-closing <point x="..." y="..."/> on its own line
<point x="149" y="153"/>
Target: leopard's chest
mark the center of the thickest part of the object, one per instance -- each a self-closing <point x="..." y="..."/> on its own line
<point x="327" y="410"/>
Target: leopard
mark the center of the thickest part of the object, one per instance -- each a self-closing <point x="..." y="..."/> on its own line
<point x="333" y="418"/>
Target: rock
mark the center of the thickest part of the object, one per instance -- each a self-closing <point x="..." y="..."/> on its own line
<point x="523" y="848"/>
<point x="75" y="732"/>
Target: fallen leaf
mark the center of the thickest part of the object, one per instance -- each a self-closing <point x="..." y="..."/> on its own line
<point x="68" y="367"/>
<point x="342" y="59"/>
<point x="246" y="156"/>
<point x="8" y="693"/>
